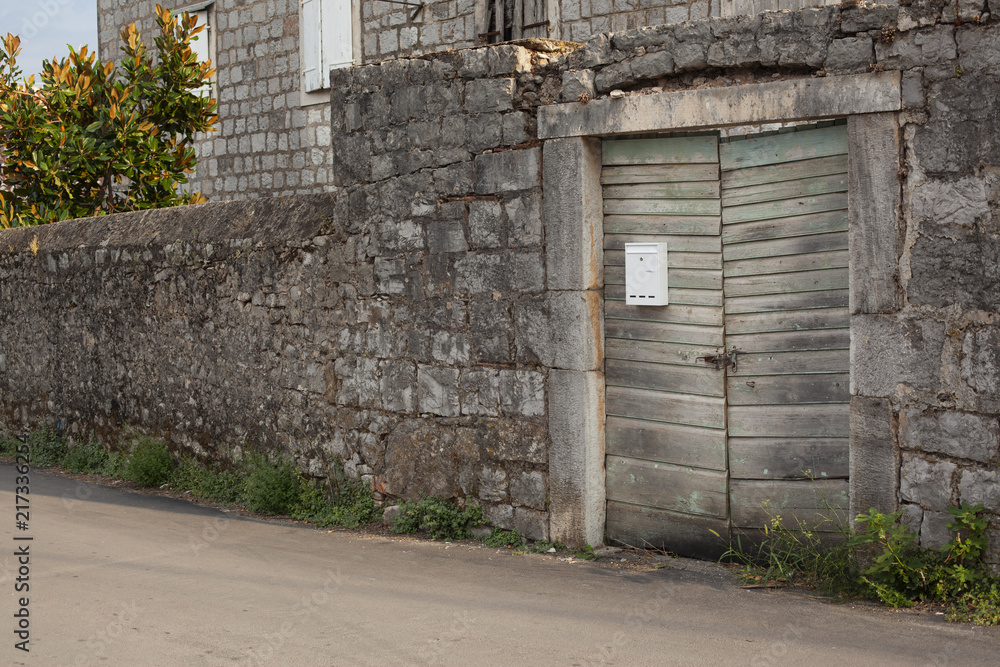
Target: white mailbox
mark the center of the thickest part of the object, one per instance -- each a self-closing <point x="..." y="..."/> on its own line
<point x="646" y="274"/>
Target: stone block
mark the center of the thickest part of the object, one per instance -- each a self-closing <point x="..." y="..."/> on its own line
<point x="446" y="236"/>
<point x="437" y="391"/>
<point x="576" y="457"/>
<point x="486" y="95"/>
<point x="507" y="171"/>
<point x="424" y="459"/>
<point x="851" y="54"/>
<point x="578" y="85"/>
<point x="887" y="351"/>
<point x="502" y="272"/>
<point x="614" y="76"/>
<point x="480" y="392"/>
<point x="531" y="524"/>
<point x="934" y="532"/>
<point x="492" y="484"/>
<point x="524" y="216"/>
<point x="981" y="362"/>
<point x="483" y="132"/>
<point x="491" y="320"/>
<point x="874" y="230"/>
<point x="873" y="468"/>
<point x="980" y="486"/>
<point x="934" y="47"/>
<point x="938" y="205"/>
<point x="926" y="482"/>
<point x="399" y="378"/>
<point x="560" y="330"/>
<point x="507" y="59"/>
<point x="499" y="514"/>
<point x="963" y="271"/>
<point x="653" y="65"/>
<point x="959" y="434"/>
<point x="485" y="223"/>
<point x="979" y="50"/>
<point x="528" y="489"/>
<point x="455" y="179"/>
<point x="512" y="440"/>
<point x="522" y="393"/>
<point x="517" y="128"/>
<point x="863" y="18"/>
<point x="574" y="218"/>
<point x="912" y="517"/>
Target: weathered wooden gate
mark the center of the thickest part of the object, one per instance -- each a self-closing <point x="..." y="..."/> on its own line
<point x="737" y="392"/>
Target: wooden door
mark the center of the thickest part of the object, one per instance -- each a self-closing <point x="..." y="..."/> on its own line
<point x="756" y="230"/>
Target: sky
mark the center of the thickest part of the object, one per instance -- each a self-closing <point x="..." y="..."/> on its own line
<point x="47" y="26"/>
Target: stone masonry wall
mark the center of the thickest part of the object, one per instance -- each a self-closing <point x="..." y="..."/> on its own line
<point x="268" y="143"/>
<point x="926" y="367"/>
<point x="272" y="324"/>
<point x="446" y="326"/>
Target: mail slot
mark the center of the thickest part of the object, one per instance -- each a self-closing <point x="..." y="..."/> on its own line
<point x="646" y="274"/>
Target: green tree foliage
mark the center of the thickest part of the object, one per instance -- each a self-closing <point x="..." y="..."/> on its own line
<point x="95" y="139"/>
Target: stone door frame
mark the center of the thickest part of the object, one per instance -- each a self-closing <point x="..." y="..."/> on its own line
<point x="574" y="241"/>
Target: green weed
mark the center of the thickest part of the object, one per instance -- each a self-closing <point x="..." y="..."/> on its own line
<point x="502" y="538"/>
<point x="438" y="518"/>
<point x="272" y="485"/>
<point x="46" y="447"/>
<point x="85" y="457"/>
<point x="149" y="462"/>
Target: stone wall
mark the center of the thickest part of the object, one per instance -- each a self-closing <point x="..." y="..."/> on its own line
<point x="288" y="324"/>
<point x="271" y="141"/>
<point x="449" y="321"/>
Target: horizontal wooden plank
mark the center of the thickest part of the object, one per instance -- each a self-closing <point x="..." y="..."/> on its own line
<point x="796" y="301"/>
<point x="789" y="458"/>
<point x="786" y="228"/>
<point x="774" y="173"/>
<point x="710" y="279"/>
<point x="671" y="150"/>
<point x="817" y="505"/>
<point x="749" y="364"/>
<point x="790" y="421"/>
<point x="788" y="264"/>
<point x="675" y="260"/>
<point x="691" y="297"/>
<point x="812" y="388"/>
<point x="683" y="534"/>
<point x="675" y="243"/>
<point x="662" y="206"/>
<point x="700" y="225"/>
<point x="703" y="381"/>
<point x="792" y="341"/>
<point x="659" y="406"/>
<point x="778" y="148"/>
<point x="666" y="443"/>
<point x="802" y="187"/>
<point x="664" y="486"/>
<point x="660" y="173"/>
<point x="785" y="283"/>
<point x="783" y="208"/>
<point x="662" y="331"/>
<point x="681" y="190"/>
<point x="788" y="320"/>
<point x="656" y="351"/>
<point x="789" y="246"/>
<point x="676" y="314"/>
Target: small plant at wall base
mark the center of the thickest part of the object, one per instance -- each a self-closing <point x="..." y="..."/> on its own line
<point x="438" y="518"/>
<point x="884" y="562"/>
<point x="93" y="139"/>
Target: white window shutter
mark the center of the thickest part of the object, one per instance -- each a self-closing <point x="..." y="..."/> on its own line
<point x="200" y="45"/>
<point x="314" y="75"/>
<point x="338" y="46"/>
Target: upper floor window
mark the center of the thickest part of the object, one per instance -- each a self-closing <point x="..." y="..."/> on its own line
<point x="325" y="31"/>
<point x="201" y="43"/>
<point x="504" y="20"/>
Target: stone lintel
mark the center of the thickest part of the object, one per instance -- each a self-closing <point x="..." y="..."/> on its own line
<point x="797" y="99"/>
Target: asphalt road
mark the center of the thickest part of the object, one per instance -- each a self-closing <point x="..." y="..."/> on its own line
<point x="118" y="578"/>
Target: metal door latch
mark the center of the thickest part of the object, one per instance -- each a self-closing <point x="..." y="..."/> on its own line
<point x="721" y="359"/>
